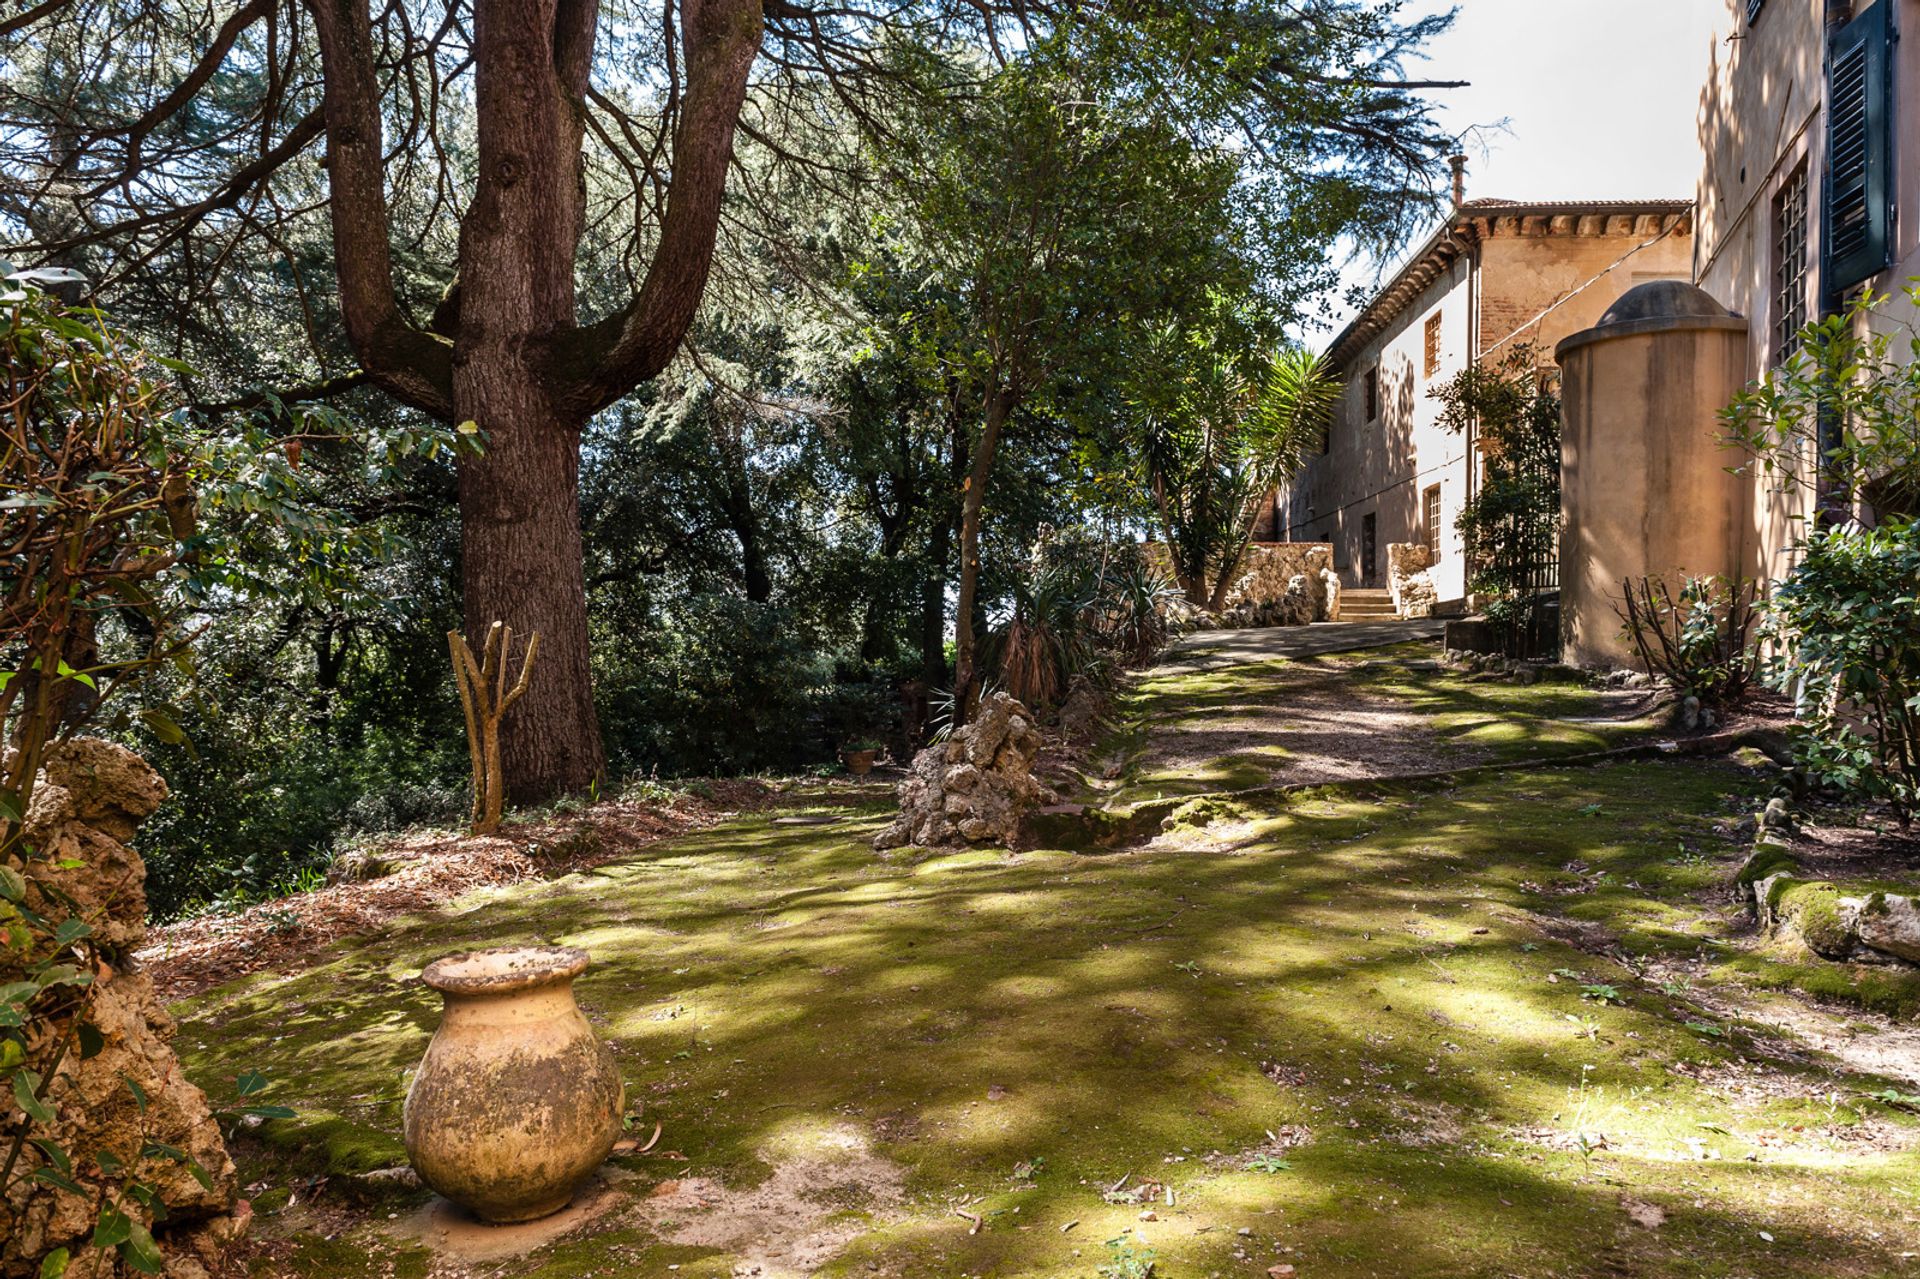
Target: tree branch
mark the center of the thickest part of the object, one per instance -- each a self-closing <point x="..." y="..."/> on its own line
<point x="414" y="367"/>
<point x="597" y="365"/>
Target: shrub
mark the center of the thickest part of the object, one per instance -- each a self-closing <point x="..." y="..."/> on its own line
<point x="1846" y="624"/>
<point x="1048" y="638"/>
<point x="1701" y="639"/>
<point x="1134" y="597"/>
<point x="1510" y="530"/>
<point x="728" y="686"/>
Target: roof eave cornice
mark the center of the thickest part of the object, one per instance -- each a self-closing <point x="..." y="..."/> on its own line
<point x="1471" y="225"/>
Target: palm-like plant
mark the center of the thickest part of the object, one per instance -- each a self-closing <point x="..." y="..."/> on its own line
<point x="1219" y="429"/>
<point x="1133" y="598"/>
<point x="1048" y="638"/>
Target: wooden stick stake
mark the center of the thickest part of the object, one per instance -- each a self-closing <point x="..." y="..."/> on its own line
<point x="484" y="698"/>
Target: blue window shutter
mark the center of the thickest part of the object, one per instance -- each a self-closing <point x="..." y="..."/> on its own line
<point x="1858" y="224"/>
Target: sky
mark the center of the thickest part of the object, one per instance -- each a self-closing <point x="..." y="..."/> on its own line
<point x="1570" y="98"/>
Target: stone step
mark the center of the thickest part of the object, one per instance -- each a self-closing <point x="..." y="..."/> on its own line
<point x="1364" y="604"/>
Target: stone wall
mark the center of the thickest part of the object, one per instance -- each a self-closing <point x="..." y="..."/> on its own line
<point x="1259" y="595"/>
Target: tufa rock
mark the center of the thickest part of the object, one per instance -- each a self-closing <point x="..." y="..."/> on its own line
<point x="1330" y="591"/>
<point x="976" y="786"/>
<point x="88" y="800"/>
<point x="1296" y="606"/>
<point x="1409" y="582"/>
<point x="1890" y="924"/>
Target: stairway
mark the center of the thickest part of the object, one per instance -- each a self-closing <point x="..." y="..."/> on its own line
<point x="1362" y="605"/>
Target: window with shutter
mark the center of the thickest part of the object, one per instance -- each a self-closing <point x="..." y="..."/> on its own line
<point x="1790" y="268"/>
<point x="1859" y="178"/>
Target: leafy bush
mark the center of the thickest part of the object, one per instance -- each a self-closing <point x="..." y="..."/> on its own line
<point x="1134" y="598"/>
<point x="1846" y="623"/>
<point x="730" y="686"/>
<point x="1837" y="425"/>
<point x="245" y="824"/>
<point x="126" y="522"/>
<point x="1848" y="396"/>
<point x="1510" y="530"/>
<point x="1086" y="608"/>
<point x="1048" y="637"/>
<point x="1701" y="639"/>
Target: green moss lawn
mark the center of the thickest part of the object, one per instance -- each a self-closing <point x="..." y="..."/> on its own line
<point x="1487" y="1029"/>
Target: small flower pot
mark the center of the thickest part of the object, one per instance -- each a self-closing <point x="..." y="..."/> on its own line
<point x="517" y="1101"/>
<point x="860" y="763"/>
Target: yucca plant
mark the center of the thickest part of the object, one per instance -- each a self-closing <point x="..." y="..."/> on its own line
<point x="1132" y="607"/>
<point x="1049" y="637"/>
<point x="1220" y="427"/>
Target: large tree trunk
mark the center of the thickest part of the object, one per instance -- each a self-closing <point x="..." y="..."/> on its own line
<point x="518" y="365"/>
<point x="520" y="502"/>
<point x="521" y="564"/>
<point x="972" y="503"/>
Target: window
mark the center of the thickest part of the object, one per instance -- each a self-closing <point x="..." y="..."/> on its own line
<point x="1430" y="521"/>
<point x="1789" y="265"/>
<point x="1433" y="344"/>
<point x="1859" y="189"/>
<point x="1369" y="548"/>
<point x="1753" y="9"/>
<point x="1370" y="393"/>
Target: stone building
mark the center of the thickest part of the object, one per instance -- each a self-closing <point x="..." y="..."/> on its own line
<point x="1494" y="275"/>
<point x="1809" y="128"/>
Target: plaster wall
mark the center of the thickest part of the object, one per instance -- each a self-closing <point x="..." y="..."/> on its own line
<point x="1761" y="122"/>
<point x="1645" y="484"/>
<point x="1529" y="279"/>
<point x="1383" y="466"/>
<point x="1538" y="288"/>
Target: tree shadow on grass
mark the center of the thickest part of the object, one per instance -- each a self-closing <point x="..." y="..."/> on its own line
<point x="1363" y="974"/>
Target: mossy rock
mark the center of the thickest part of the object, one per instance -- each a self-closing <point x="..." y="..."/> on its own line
<point x="1766" y="859"/>
<point x="1197" y="814"/>
<point x="1811" y="909"/>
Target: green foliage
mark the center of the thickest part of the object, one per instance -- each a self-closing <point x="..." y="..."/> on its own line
<point x="1846" y="625"/>
<point x="1837" y="427"/>
<point x="1127" y="1259"/>
<point x="1838" y="422"/>
<point x="1047" y="639"/>
<point x="1133" y="604"/>
<point x="122" y="520"/>
<point x="1084" y="609"/>
<point x="1510" y="529"/>
<point x="1701" y="639"/>
<point x="1219" y="424"/>
<point x="731" y="686"/>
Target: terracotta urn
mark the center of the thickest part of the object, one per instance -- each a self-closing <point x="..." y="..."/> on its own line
<point x="517" y="1101"/>
<point x="860" y="763"/>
